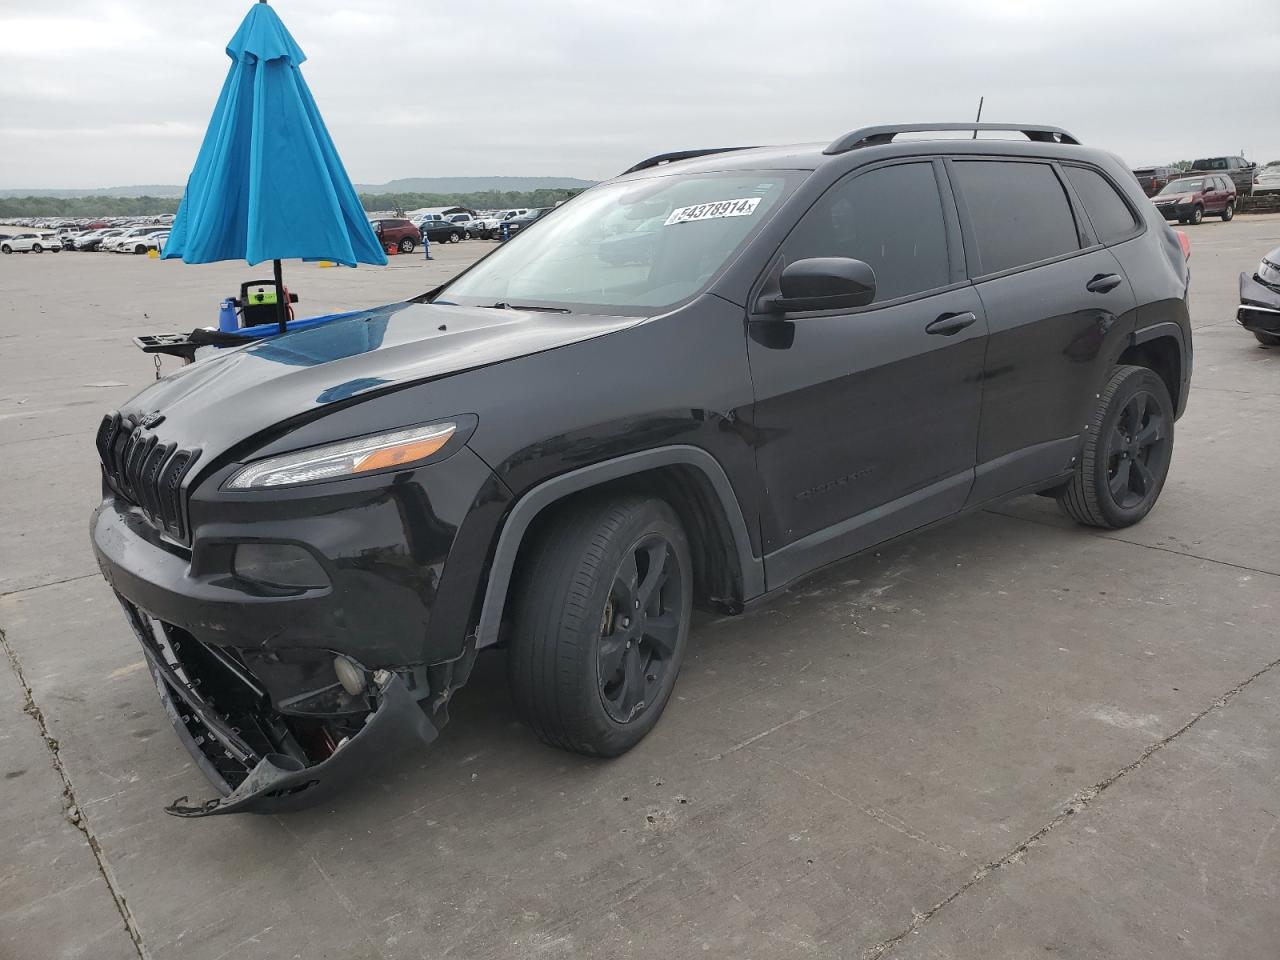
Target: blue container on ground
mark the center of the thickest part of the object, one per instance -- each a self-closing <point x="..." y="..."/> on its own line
<point x="228" y="322"/>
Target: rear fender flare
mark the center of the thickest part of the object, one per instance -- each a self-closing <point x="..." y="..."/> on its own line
<point x="557" y="488"/>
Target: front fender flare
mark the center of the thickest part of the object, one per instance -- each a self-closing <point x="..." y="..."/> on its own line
<point x="557" y="488"/>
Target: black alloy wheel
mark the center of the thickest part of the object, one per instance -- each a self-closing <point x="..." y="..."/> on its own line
<point x="1135" y="445"/>
<point x="601" y="606"/>
<point x="640" y="629"/>
<point x="1126" y="452"/>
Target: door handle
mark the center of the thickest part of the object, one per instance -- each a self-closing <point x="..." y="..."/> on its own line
<point x="951" y="323"/>
<point x="1103" y="283"/>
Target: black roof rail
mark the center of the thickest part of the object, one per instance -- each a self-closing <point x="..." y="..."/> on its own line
<point x="874" y="136"/>
<point x="678" y="155"/>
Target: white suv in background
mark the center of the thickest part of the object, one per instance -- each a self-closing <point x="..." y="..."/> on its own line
<point x="31" y="243"/>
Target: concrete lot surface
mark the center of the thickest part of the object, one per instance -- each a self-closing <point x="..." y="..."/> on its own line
<point x="1007" y="738"/>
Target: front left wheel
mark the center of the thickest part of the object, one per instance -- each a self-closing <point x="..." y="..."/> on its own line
<point x="407" y="245"/>
<point x="601" y="623"/>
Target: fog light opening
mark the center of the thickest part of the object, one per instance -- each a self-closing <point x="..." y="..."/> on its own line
<point x="349" y="675"/>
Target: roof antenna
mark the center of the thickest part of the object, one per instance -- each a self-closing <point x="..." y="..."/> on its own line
<point x="978" y="118"/>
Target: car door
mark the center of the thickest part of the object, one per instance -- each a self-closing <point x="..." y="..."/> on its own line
<point x="865" y="419"/>
<point x="1058" y="306"/>
<point x="1214" y="195"/>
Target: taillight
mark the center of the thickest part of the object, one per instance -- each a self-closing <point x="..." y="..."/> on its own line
<point x="1185" y="241"/>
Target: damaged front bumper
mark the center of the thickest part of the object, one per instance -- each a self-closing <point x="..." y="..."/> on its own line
<point x="256" y="760"/>
<point x="1259" y="310"/>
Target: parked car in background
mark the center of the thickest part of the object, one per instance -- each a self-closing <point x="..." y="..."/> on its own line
<point x="157" y="240"/>
<point x="126" y="239"/>
<point x="1259" y="310"/>
<point x="1238" y="169"/>
<point x="397" y="232"/>
<point x="483" y="225"/>
<point x="31" y="243"/>
<point x="1153" y="179"/>
<point x="512" y="225"/>
<point x="443" y="231"/>
<point x="140" y="243"/>
<point x="1267" y="179"/>
<point x="93" y="240"/>
<point x="1190" y="199"/>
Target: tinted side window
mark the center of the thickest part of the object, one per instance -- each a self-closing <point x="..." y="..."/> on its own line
<point x="890" y="218"/>
<point x="1019" y="212"/>
<point x="1109" y="214"/>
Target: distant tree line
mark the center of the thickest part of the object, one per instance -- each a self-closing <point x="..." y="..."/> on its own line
<point x="80" y="207"/>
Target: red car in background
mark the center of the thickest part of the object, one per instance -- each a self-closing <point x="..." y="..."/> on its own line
<point x="1189" y="199"/>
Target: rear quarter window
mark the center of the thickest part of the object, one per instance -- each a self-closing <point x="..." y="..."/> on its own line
<point x="1018" y="212"/>
<point x="1111" y="217"/>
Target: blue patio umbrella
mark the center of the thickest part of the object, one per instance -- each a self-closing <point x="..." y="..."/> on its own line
<point x="268" y="183"/>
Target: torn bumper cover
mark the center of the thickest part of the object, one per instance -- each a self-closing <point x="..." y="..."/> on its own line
<point x="1259" y="309"/>
<point x="250" y="775"/>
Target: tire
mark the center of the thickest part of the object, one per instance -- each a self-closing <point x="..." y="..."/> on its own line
<point x="584" y="676"/>
<point x="1228" y="212"/>
<point x="407" y="245"/>
<point x="36" y="248"/>
<point x="453" y="236"/>
<point x="1125" y="460"/>
<point x="1267" y="339"/>
<point x="6" y="249"/>
<point x="140" y="248"/>
<point x="466" y="234"/>
<point x="1197" y="215"/>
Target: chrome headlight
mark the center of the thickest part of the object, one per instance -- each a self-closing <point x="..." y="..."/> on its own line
<point x="349" y="458"/>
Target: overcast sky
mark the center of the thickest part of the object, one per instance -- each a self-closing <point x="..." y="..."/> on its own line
<point x="118" y="92"/>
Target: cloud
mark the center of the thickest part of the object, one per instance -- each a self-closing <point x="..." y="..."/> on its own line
<point x="119" y="92"/>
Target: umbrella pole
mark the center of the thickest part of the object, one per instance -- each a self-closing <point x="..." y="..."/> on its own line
<point x="282" y="308"/>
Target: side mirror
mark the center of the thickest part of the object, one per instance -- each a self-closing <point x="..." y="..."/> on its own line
<point x="824" y="283"/>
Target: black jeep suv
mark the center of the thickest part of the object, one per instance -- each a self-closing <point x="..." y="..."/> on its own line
<point x="690" y="385"/>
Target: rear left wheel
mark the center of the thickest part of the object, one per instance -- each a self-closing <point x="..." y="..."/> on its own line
<point x="601" y="623"/>
<point x="1126" y="454"/>
<point x="1228" y="212"/>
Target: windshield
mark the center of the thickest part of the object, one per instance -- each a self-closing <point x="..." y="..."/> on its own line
<point x="1186" y="185"/>
<point x="634" y="247"/>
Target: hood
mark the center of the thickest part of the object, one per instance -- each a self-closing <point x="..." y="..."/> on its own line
<point x="217" y="402"/>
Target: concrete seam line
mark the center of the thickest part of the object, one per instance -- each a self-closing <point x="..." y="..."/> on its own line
<point x="71" y="807"/>
<point x="1082" y="800"/>
<point x="51" y="583"/>
<point x="1136" y="543"/>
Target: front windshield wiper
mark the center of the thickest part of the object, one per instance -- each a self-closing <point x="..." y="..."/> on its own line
<point x="503" y="305"/>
